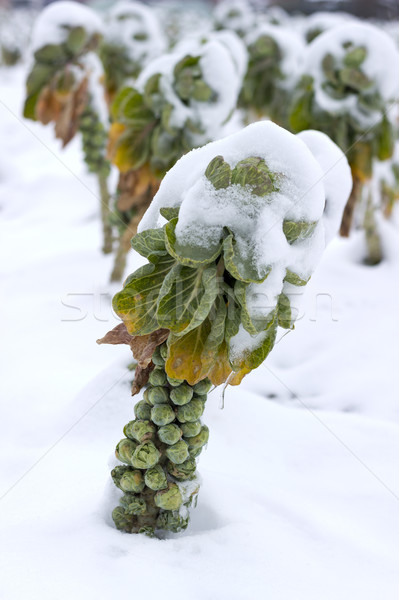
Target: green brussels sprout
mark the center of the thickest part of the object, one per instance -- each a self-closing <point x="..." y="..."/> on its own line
<point x="155" y="478"/>
<point x="157" y="377"/>
<point x="123" y="521"/>
<point x="196" y="442"/>
<point x="169" y="434"/>
<point x="142" y="410"/>
<point x="185" y="470"/>
<point x="172" y="521"/>
<point x="139" y="430"/>
<point x="125" y="450"/>
<point x="355" y="57"/>
<point x="132" y="481"/>
<point x="190" y="429"/>
<point x="177" y="453"/>
<point x="156" y="395"/>
<point x="164" y="351"/>
<point x="182" y="394"/>
<point x="147" y="530"/>
<point x="162" y="414"/>
<point x="157" y="358"/>
<point x="169" y="499"/>
<point x="145" y="456"/>
<point x="202" y="387"/>
<point x="133" y="505"/>
<point x="174" y="382"/>
<point x="190" y="412"/>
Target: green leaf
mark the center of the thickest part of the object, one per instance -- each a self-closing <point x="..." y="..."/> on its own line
<point x="251" y="324"/>
<point x="243" y="268"/>
<point x="355" y="79"/>
<point x="298" y="230"/>
<point x="218" y="172"/>
<point x="191" y="256"/>
<point x="137" y="303"/>
<point x="38" y="77"/>
<point x="186" y="297"/>
<point x="301" y="116"/>
<point x="135" y="112"/>
<point x="118" y="104"/>
<point x="355" y="57"/>
<point x="30" y="106"/>
<point x="294" y="279"/>
<point x="253" y="171"/>
<point x="285" y="319"/>
<point x="385" y="140"/>
<point x="150" y="243"/>
<point x="252" y="359"/>
<point x="169" y="212"/>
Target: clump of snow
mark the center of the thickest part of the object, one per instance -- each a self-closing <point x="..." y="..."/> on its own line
<point x="219" y="72"/>
<point x="55" y="22"/>
<point x="380" y="66"/>
<point x="291" y="47"/>
<point x="313" y="182"/>
<point x="136" y="28"/>
<point x="234" y="14"/>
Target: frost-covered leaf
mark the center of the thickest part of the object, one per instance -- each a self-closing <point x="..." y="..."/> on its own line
<point x="187" y="254"/>
<point x="170" y="213"/>
<point x="241" y="267"/>
<point x="251" y="359"/>
<point x="253" y="324"/>
<point x="136" y="304"/>
<point x="253" y="171"/>
<point x="186" y="297"/>
<point x="219" y="173"/>
<point x="298" y="230"/>
<point x="294" y="279"/>
<point x="285" y="318"/>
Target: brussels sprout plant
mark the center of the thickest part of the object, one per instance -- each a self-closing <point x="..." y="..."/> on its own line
<point x="348" y="91"/>
<point x="59" y="88"/>
<point x="230" y="239"/>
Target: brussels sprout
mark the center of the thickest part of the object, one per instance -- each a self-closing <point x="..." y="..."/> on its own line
<point x="125" y="450"/>
<point x="177" y="453"/>
<point x="218" y="172"/>
<point x="162" y="414"/>
<point x="142" y="410"/>
<point x="123" y="521"/>
<point x="191" y="411"/>
<point x="182" y="394"/>
<point x="156" y="395"/>
<point x="155" y="478"/>
<point x="202" y="387"/>
<point x="132" y="481"/>
<point x="253" y="171"/>
<point x="139" y="430"/>
<point x="145" y="456"/>
<point x="169" y="499"/>
<point x="169" y="434"/>
<point x="157" y="377"/>
<point x="164" y="351"/>
<point x="157" y="358"/>
<point x="117" y="473"/>
<point x="185" y="470"/>
<point x="133" y="505"/>
<point x="174" y="382"/>
<point x="196" y="442"/>
<point x="190" y="429"/>
<point x="172" y="521"/>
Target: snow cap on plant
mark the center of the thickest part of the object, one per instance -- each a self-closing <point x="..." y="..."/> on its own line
<point x="236" y="15"/>
<point x="180" y="101"/>
<point x="275" y="55"/>
<point x="132" y="38"/>
<point x="319" y="22"/>
<point x="235" y="230"/>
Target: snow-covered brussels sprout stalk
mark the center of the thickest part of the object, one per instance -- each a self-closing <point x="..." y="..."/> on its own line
<point x="61" y="88"/>
<point x="231" y="237"/>
<point x="274" y="61"/>
<point x="236" y="15"/>
<point x="180" y="101"/>
<point x="348" y="92"/>
<point x="132" y="37"/>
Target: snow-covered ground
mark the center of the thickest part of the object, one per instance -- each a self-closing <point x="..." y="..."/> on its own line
<point x="300" y="478"/>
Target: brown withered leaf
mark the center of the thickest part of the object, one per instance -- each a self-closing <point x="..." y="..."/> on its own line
<point x="136" y="188"/>
<point x="142" y="348"/>
<point x="73" y="105"/>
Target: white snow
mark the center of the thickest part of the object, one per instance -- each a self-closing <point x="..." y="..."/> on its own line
<point x="299" y="498"/>
<point x="55" y="21"/>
